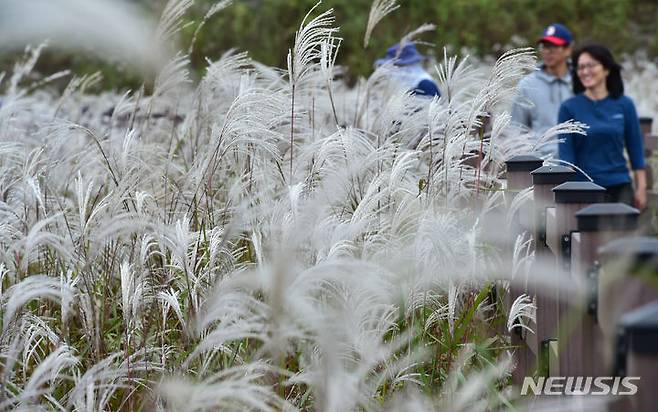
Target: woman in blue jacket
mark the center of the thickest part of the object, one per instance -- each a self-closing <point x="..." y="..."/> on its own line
<point x="599" y="102"/>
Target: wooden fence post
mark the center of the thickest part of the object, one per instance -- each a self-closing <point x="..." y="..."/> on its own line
<point x="570" y="197"/>
<point x="518" y="173"/>
<point x="519" y="178"/>
<point x="628" y="314"/>
<point x="597" y="225"/>
<point x="650" y="146"/>
<point x="638" y="347"/>
<point x="628" y="278"/>
<point x="544" y="180"/>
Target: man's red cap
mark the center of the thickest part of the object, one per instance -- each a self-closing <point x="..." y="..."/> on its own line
<point x="556" y="34"/>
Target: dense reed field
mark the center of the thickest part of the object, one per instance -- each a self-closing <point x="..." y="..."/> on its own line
<point x="263" y="239"/>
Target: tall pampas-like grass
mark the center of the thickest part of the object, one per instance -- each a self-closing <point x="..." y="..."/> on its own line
<point x="263" y="239"/>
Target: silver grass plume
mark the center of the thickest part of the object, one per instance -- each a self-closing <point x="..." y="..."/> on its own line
<point x="216" y="8"/>
<point x="171" y="19"/>
<point x="218" y="88"/>
<point x="232" y="389"/>
<point x="23" y="67"/>
<point x="522" y="258"/>
<point x="478" y="392"/>
<point x="173" y="75"/>
<point x="307" y="50"/>
<point x="78" y="83"/>
<point x="500" y="86"/>
<point x="40" y="236"/>
<point x="378" y="10"/>
<point x="521" y="314"/>
<point x="411" y="36"/>
<point x="32" y="287"/>
<point x="551" y="135"/>
<point x="95" y="388"/>
<point x="303" y="59"/>
<point x="567" y="127"/>
<point x="44" y="377"/>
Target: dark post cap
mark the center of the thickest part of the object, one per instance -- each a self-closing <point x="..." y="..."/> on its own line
<point x="607" y="216"/>
<point x="641" y="251"/>
<point x="523" y="163"/>
<point x="579" y="192"/>
<point x="552" y="175"/>
<point x="641" y="329"/>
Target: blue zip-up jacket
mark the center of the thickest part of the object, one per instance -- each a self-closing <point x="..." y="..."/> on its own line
<point x="613" y="125"/>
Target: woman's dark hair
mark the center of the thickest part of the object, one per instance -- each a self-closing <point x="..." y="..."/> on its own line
<point x="602" y="55"/>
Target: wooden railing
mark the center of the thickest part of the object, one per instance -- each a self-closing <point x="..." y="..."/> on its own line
<point x="611" y="328"/>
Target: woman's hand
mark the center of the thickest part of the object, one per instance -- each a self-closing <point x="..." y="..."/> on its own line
<point x="640" y="197"/>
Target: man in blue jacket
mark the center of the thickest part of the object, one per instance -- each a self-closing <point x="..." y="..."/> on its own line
<point x="542" y="92"/>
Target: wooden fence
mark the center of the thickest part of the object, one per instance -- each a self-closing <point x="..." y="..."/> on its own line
<point x="601" y="248"/>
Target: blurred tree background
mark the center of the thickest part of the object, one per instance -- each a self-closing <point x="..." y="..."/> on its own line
<point x="266" y="29"/>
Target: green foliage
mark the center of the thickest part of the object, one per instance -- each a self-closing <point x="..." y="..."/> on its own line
<point x="266" y="28"/>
